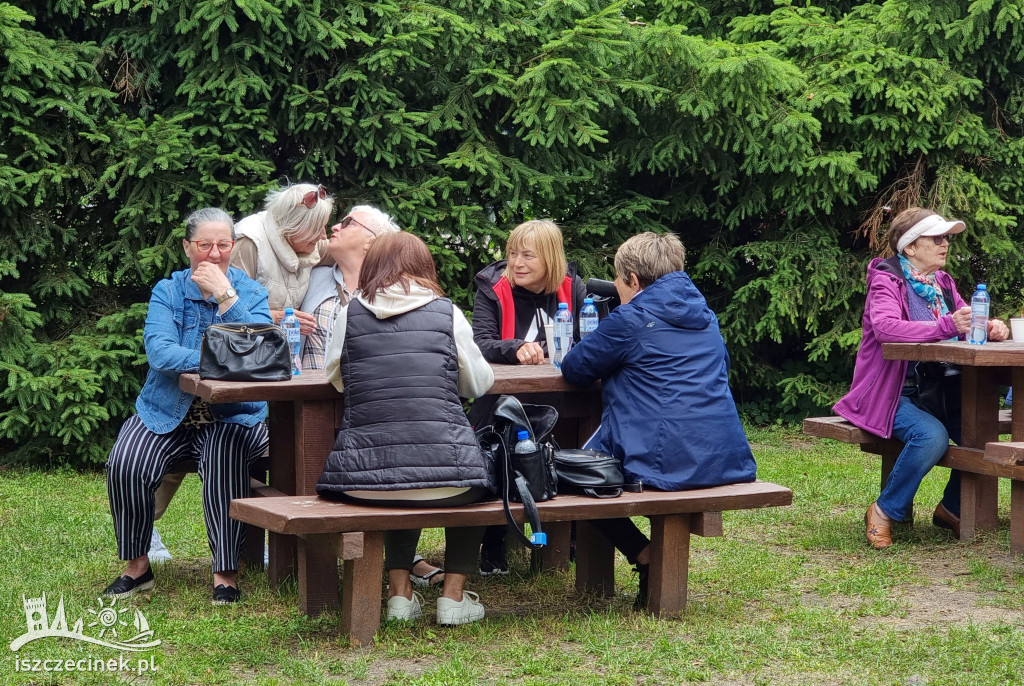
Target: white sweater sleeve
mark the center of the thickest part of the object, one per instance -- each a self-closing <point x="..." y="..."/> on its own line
<point x="475" y="375"/>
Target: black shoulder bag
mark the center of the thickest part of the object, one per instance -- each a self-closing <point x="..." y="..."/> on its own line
<point x="245" y="352"/>
<point x="592" y="473"/>
<point x="522" y="478"/>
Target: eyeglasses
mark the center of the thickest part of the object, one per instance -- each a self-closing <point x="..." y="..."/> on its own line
<point x="207" y="246"/>
<point x="311" y="198"/>
<point x="948" y="237"/>
<point x="349" y="220"/>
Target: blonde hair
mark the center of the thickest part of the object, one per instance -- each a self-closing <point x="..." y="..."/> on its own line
<point x="294" y="220"/>
<point x="650" y="256"/>
<point x="546" y="238"/>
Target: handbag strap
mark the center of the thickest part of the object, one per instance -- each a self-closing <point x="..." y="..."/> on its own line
<point x="529" y="506"/>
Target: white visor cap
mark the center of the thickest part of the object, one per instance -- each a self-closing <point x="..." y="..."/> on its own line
<point x="932" y="225"/>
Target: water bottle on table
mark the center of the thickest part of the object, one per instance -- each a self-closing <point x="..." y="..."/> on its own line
<point x="978" y="333"/>
<point x="588" y="318"/>
<point x="290" y="324"/>
<point x="563" y="334"/>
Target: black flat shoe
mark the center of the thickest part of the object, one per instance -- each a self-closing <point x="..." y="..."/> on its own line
<point x="225" y="595"/>
<point x="643" y="571"/>
<point x="126" y="587"/>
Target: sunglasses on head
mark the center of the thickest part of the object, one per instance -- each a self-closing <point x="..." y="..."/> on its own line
<point x="311" y="198"/>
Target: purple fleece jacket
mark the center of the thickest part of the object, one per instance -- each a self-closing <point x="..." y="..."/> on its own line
<point x="877" y="382"/>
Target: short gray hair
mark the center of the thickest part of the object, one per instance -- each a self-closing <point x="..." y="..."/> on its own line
<point x="380" y="222"/>
<point x="650" y="256"/>
<point x="207" y="214"/>
<point x="295" y="220"/>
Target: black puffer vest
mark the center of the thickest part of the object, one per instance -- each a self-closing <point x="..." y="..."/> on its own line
<point x="403" y="426"/>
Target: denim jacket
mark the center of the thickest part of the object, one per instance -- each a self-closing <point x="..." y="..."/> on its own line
<point x="177" y="318"/>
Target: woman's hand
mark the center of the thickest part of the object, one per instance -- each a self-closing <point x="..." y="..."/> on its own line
<point x="211" y="279"/>
<point x="530" y="353"/>
<point x="997" y="330"/>
<point x="307" y="322"/>
<point x="962" y="319"/>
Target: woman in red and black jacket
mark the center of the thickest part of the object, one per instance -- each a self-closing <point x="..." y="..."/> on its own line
<point x="515" y="298"/>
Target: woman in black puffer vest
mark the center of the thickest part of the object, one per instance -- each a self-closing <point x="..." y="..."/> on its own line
<point x="403" y="355"/>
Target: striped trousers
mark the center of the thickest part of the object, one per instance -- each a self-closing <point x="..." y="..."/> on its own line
<point x="140" y="459"/>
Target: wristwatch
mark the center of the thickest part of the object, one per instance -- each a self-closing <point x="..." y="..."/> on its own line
<point x="229" y="293"/>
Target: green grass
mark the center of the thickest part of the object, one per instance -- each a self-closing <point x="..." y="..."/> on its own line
<point x="789" y="596"/>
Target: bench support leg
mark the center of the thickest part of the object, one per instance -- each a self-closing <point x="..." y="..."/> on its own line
<point x="670" y="564"/>
<point x="595" y="561"/>
<point x="1016" y="517"/>
<point x="361" y="592"/>
<point x="555" y="555"/>
<point x="318" y="574"/>
<point x="979" y="497"/>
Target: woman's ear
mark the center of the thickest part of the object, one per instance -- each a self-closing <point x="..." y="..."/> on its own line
<point x="634" y="283"/>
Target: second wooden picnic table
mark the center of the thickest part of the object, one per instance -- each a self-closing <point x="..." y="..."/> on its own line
<point x="304" y="414"/>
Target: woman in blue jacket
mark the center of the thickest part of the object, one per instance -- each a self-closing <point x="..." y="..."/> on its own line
<point x="669" y="416"/>
<point x="172" y="426"/>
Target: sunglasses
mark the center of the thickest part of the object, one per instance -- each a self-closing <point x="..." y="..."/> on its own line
<point x="947" y="237"/>
<point x="349" y="220"/>
<point x="311" y="198"/>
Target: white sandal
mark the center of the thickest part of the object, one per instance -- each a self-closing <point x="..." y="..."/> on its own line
<point x="427" y="580"/>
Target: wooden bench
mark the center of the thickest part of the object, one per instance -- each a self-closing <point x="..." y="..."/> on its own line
<point x="998" y="459"/>
<point x="354" y="533"/>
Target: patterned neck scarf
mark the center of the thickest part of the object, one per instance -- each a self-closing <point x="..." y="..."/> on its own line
<point x="924" y="286"/>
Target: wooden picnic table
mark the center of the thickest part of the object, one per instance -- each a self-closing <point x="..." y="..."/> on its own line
<point x="304" y="414"/>
<point x="983" y="369"/>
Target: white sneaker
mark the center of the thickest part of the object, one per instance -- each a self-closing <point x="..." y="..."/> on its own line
<point x="403" y="609"/>
<point x="451" y="612"/>
<point x="158" y="552"/>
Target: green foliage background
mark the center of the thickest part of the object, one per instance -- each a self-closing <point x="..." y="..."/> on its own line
<point x="767" y="135"/>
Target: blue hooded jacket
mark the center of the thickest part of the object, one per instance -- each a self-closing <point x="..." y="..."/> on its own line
<point x="668" y="413"/>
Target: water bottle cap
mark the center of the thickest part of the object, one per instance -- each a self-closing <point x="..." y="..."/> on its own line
<point x="588" y="301"/>
<point x="563" y="306"/>
<point x="523" y="435"/>
<point x="288" y="311"/>
<point x="982" y="287"/>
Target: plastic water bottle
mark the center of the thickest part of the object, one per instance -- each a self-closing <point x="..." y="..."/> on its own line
<point x="563" y="334"/>
<point x="290" y="324"/>
<point x="979" y="316"/>
<point x="524" y="446"/>
<point x="588" y="318"/>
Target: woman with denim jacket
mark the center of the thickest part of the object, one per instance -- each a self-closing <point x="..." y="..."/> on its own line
<point x="172" y="426"/>
<point x="909" y="300"/>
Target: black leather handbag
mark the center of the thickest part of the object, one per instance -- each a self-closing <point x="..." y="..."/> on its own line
<point x="245" y="352"/>
<point x="938" y="389"/>
<point x="592" y="473"/>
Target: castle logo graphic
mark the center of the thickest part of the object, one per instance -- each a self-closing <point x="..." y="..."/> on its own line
<point x="110" y="623"/>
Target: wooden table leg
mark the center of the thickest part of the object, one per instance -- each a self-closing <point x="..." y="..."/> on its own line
<point x="670" y="563"/>
<point x="317" y="574"/>
<point x="595" y="561"/>
<point x="361" y="595"/>
<point x="282" y="550"/>
<point x="979" y="495"/>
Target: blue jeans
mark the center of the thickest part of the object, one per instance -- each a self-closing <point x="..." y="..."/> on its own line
<point x="925" y="440"/>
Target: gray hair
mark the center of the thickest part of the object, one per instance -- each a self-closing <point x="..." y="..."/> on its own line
<point x="380" y="222"/>
<point x="295" y="220"/>
<point x="207" y="214"/>
<point x="650" y="256"/>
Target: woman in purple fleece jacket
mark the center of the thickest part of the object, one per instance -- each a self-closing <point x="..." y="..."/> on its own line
<point x="909" y="300"/>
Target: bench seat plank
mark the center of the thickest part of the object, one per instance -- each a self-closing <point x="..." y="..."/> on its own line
<point x="1005" y="452"/>
<point x="839" y="429"/>
<point x="301" y="515"/>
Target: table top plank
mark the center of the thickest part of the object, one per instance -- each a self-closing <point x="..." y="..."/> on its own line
<point x="311" y="515"/>
<point x="1002" y="354"/>
<point x="313" y="385"/>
